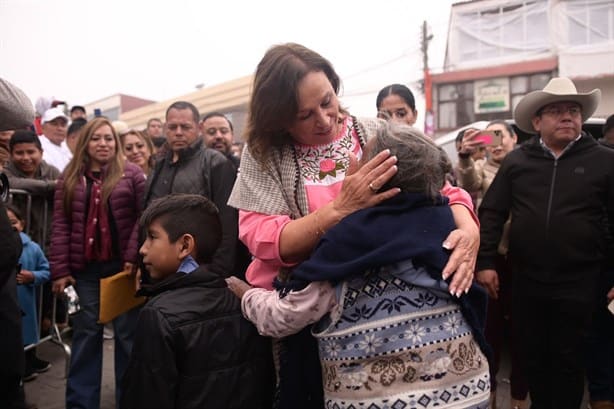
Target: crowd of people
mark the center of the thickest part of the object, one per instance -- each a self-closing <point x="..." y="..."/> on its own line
<point x="332" y="261"/>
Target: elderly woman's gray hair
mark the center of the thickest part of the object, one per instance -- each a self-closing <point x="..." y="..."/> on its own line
<point x="422" y="165"/>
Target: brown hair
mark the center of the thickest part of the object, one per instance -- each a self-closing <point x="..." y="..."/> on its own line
<point x="274" y="102"/>
<point x="80" y="162"/>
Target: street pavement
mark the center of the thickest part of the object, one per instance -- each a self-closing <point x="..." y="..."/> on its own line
<point x="47" y="391"/>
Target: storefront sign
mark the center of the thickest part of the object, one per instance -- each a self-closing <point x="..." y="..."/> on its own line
<point x="492" y="95"/>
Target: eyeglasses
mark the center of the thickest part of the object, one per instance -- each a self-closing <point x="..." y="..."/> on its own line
<point x="557" y="112"/>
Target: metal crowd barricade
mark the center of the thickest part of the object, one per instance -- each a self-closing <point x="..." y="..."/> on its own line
<point x="57" y="330"/>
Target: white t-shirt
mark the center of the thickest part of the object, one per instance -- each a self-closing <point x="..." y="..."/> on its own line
<point x="55" y="155"/>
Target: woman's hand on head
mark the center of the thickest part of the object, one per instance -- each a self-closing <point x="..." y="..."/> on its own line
<point x="61" y="283"/>
<point x="464" y="245"/>
<point x="362" y="184"/>
<point x="237" y="286"/>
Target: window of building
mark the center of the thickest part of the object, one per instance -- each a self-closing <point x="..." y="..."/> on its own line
<point x="590" y="21"/>
<point x="455" y="101"/>
<point x="455" y="105"/>
<point x="511" y="29"/>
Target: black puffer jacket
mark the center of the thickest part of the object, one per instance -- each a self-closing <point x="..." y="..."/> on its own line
<point x="194" y="349"/>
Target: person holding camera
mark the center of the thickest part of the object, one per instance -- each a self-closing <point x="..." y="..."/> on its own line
<point x="498" y="139"/>
<point x="476" y="175"/>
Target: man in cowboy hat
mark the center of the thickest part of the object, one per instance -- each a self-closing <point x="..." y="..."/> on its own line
<point x="558" y="187"/>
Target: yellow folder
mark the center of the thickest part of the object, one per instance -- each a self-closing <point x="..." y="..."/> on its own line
<point x="117" y="296"/>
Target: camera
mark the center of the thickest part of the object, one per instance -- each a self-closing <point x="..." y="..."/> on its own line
<point x="72" y="300"/>
<point x="4" y="187"/>
<point x="489" y="138"/>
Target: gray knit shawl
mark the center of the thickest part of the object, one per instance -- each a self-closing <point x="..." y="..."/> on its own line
<point x="277" y="188"/>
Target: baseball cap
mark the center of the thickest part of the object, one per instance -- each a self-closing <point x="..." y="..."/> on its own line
<point x="53" y="113"/>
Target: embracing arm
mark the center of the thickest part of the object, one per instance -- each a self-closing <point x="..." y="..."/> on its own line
<point x="280" y="317"/>
<point x="464" y="241"/>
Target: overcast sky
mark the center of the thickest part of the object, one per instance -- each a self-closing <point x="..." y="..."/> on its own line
<point x="81" y="50"/>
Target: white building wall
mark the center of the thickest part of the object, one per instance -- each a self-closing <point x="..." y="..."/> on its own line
<point x="606" y="107"/>
<point x="495" y="32"/>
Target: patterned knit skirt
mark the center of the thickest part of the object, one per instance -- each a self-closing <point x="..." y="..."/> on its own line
<point x="391" y="344"/>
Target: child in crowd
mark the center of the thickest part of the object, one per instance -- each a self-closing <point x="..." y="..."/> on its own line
<point x="192" y="348"/>
<point x="34" y="272"/>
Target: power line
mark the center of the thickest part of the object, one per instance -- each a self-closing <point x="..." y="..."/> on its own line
<point x="414" y="85"/>
<point x="382" y="64"/>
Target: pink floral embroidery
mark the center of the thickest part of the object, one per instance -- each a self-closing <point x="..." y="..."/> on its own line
<point x="327" y="165"/>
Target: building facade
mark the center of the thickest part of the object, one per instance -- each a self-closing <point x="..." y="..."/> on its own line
<point x="114" y="106"/>
<point x="499" y="50"/>
<point x="229" y="98"/>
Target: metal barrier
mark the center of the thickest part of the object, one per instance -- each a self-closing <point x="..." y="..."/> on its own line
<point x="56" y="333"/>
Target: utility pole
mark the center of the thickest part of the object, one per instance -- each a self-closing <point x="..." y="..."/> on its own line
<point x="429" y="122"/>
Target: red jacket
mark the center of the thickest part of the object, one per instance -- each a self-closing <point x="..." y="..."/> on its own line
<point x="67" y="253"/>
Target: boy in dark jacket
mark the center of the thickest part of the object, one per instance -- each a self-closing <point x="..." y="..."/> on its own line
<point x="192" y="348"/>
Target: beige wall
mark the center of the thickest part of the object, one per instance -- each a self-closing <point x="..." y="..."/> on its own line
<point x="606" y="85"/>
<point x="229" y="97"/>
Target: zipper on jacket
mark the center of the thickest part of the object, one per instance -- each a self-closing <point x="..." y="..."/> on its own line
<point x="551" y="194"/>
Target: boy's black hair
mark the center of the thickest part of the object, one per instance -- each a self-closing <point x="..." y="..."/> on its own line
<point x="180" y="214"/>
<point x="76" y="125"/>
<point x="24" y="136"/>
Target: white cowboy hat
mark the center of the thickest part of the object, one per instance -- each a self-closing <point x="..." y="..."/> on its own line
<point x="557" y="90"/>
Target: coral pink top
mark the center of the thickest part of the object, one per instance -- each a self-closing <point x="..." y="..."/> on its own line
<point x="323" y="169"/>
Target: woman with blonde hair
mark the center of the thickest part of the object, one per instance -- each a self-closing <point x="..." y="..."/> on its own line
<point x="139" y="149"/>
<point x="97" y="204"/>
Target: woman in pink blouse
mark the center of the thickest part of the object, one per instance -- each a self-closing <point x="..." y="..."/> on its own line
<point x="299" y="177"/>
